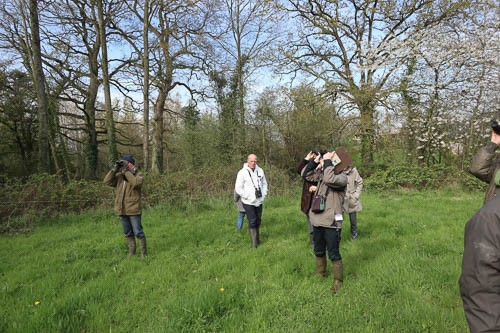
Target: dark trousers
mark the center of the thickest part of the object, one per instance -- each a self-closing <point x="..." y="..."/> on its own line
<point x="353" y="219"/>
<point x="254" y="215"/>
<point x="327" y="240"/>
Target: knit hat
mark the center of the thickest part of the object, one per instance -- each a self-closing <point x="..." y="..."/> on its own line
<point x="495" y="124"/>
<point x="128" y="158"/>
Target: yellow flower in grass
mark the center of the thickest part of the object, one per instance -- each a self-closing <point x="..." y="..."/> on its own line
<point x="221" y="290"/>
<point x="37" y="302"/>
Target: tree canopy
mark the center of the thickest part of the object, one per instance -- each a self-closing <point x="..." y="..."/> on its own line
<point x="184" y="85"/>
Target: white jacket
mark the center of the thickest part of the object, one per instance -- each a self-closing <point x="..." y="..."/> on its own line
<point x="246" y="189"/>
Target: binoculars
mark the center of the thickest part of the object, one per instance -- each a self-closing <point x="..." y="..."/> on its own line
<point x="320" y="151"/>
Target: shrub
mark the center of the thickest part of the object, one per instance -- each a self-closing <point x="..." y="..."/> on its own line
<point x="192" y="185"/>
<point x="414" y="177"/>
<point x="25" y="201"/>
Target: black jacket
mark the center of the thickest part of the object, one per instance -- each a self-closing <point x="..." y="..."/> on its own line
<point x="480" y="278"/>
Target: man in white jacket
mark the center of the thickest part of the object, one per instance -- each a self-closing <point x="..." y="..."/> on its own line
<point x="251" y="186"/>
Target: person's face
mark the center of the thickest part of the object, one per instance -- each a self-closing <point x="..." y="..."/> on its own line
<point x="495" y="137"/>
<point x="252" y="161"/>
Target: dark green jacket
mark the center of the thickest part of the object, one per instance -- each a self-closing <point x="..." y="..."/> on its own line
<point x="484" y="166"/>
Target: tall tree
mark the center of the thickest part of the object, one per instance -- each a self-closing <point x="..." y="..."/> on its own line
<point x="245" y="32"/>
<point x="39" y="80"/>
<point x="16" y="37"/>
<point x="145" y="95"/>
<point x="72" y="60"/>
<point x="452" y="84"/>
<point x="76" y="62"/>
<point x="176" y="27"/>
<point x="110" y="122"/>
<point x="355" y="47"/>
<point x="301" y="118"/>
<point x="226" y="98"/>
<point x="18" y="119"/>
<point x="136" y="32"/>
<point x="193" y="145"/>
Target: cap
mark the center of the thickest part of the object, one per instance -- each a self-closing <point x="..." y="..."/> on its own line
<point x="128" y="158"/>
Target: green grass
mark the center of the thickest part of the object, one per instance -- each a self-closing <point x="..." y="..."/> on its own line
<point x="401" y="275"/>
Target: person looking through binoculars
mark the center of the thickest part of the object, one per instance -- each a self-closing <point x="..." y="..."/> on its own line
<point x="127" y="180"/>
<point x="485" y="164"/>
<point x="326" y="212"/>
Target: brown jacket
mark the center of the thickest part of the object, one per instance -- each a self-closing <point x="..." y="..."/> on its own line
<point x="484" y="166"/>
<point x="480" y="278"/>
<point x="306" y="198"/>
<point x="331" y="186"/>
<point x="128" y="191"/>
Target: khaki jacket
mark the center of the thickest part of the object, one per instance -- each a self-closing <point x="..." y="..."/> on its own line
<point x="333" y="187"/>
<point x="484" y="166"/>
<point x="352" y="200"/>
<point x="128" y="191"/>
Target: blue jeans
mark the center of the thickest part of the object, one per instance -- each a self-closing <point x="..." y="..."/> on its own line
<point x="132" y="226"/>
<point x="239" y="220"/>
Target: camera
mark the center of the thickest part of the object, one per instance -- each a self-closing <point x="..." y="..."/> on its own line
<point x="495" y="126"/>
<point x="258" y="193"/>
<point x="120" y="163"/>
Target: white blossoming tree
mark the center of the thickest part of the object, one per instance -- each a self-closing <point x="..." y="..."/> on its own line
<point x="361" y="51"/>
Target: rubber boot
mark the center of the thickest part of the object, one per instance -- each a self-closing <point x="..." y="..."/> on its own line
<point x="258" y="235"/>
<point x="131" y="245"/>
<point x="253" y="237"/>
<point x="338" y="275"/>
<point x="321" y="266"/>
<point x="354" y="225"/>
<point x="354" y="230"/>
<point x="144" y="250"/>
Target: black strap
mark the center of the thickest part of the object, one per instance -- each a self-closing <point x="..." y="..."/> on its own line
<point x="252" y="179"/>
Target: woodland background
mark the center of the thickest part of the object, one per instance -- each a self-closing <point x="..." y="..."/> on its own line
<point x="191" y="87"/>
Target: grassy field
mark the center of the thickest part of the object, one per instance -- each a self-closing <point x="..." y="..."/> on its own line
<point x="72" y="274"/>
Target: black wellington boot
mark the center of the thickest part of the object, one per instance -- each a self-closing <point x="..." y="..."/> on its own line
<point x="253" y="237"/>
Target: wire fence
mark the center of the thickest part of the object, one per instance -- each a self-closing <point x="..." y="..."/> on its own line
<point x="24" y="202"/>
<point x="21" y="208"/>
